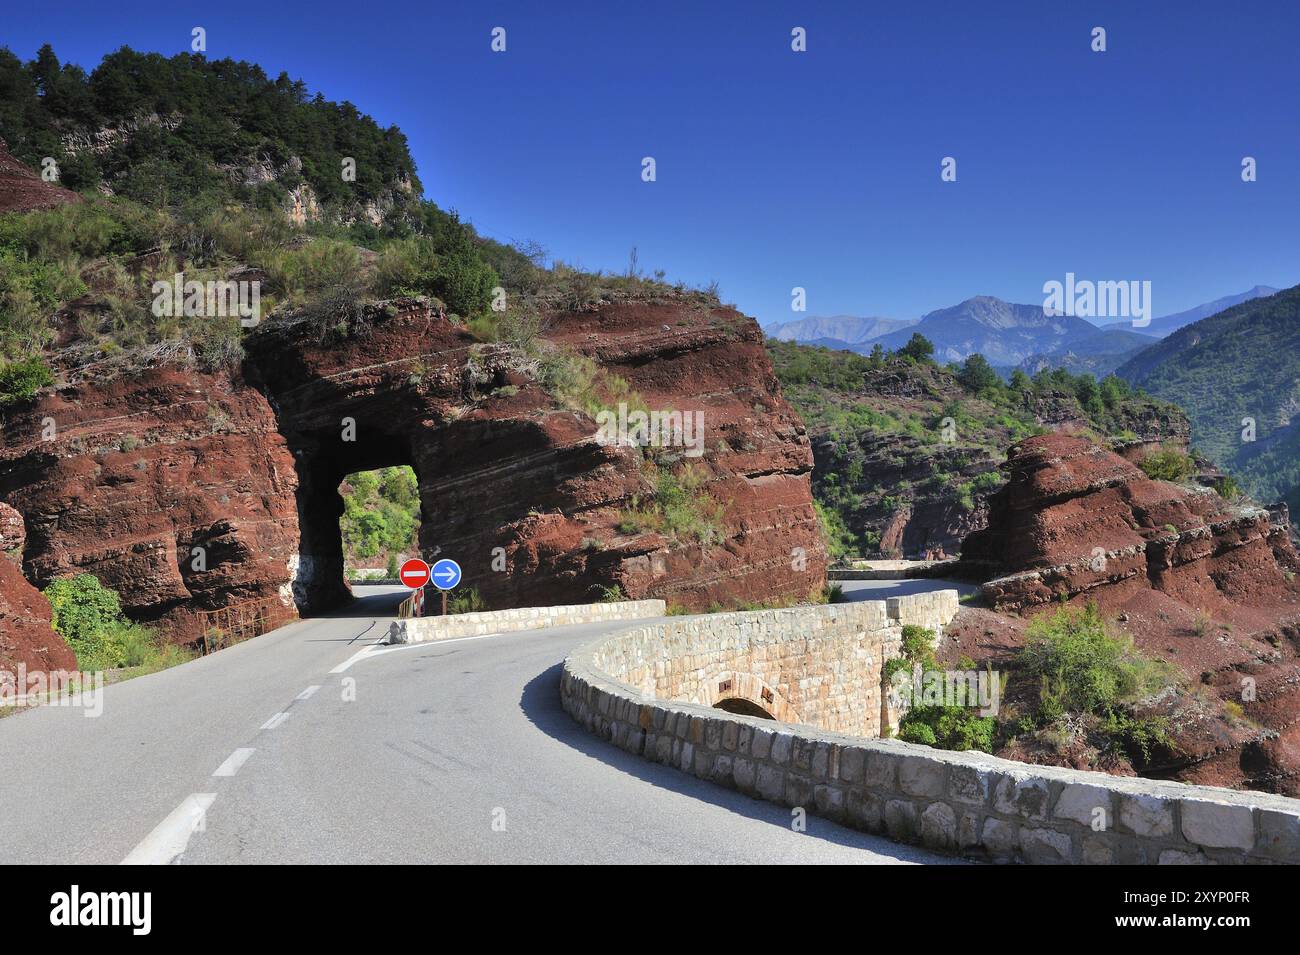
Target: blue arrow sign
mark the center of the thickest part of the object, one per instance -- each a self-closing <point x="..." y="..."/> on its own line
<point x="445" y="574"/>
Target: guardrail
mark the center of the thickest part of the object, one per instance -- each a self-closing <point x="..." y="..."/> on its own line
<point x="227" y="626"/>
<point x="412" y="606"/>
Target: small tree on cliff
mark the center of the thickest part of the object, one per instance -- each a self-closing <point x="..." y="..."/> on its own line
<point x="918" y="348"/>
<point x="977" y="375"/>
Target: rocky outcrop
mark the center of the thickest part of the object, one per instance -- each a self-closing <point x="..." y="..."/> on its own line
<point x="513" y="483"/>
<point x="170" y="485"/>
<point x="22" y="190"/>
<point x="908" y="458"/>
<point x="187" y="491"/>
<point x="1075" y="519"/>
<point x="26" y="641"/>
<point x="1203" y="584"/>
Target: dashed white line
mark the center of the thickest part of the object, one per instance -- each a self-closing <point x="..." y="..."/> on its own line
<point x="307" y="693"/>
<point x="233" y="762"/>
<point x="275" y="720"/>
<point x="171" y="836"/>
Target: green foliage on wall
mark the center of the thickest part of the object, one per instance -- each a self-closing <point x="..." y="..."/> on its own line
<point x="381" y="515"/>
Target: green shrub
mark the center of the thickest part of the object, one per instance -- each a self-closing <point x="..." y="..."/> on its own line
<point x="464" y="281"/>
<point x="918" y="348"/>
<point x="608" y="594"/>
<point x="1228" y="488"/>
<point x="84" y="230"/>
<point x="1082" y="668"/>
<point x="1168" y="464"/>
<point x="466" y="601"/>
<point x="83" y="611"/>
<point x="679" y="507"/>
<point x="1080" y="671"/>
<point x="20" y="380"/>
<point x="833" y="594"/>
<point x="977" y="375"/>
<point x="916" y="731"/>
<point x="840" y="541"/>
<point x="89" y="616"/>
<point x="957" y="725"/>
<point x="319" y="265"/>
<point x="949" y="726"/>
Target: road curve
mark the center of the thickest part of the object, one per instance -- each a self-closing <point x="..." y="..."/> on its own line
<point x="456" y="752"/>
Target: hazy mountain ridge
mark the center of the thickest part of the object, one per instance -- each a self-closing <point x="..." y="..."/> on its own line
<point x="1003" y="332"/>
<point x="849" y="329"/>
<point x="1167" y="324"/>
<point x="1007" y="334"/>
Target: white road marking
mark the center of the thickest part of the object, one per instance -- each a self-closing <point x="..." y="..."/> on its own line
<point x="171" y="836"/>
<point x="379" y="649"/>
<point x="233" y="762"/>
<point x="275" y="721"/>
<point x="307" y="693"/>
<point x="354" y="658"/>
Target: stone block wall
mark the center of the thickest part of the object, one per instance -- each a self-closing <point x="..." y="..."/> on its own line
<point x="480" y="623"/>
<point x="968" y="803"/>
<point x="815" y="665"/>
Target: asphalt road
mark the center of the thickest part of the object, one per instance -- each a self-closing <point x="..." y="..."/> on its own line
<point x="313" y="745"/>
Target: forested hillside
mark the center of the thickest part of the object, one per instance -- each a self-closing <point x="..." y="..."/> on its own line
<point x="194" y="168"/>
<point x="1243" y="363"/>
<point x="161" y="129"/>
<point x="907" y="451"/>
<point x="381" y="515"/>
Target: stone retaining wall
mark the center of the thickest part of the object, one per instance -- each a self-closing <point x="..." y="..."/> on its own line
<point x="816" y="665"/>
<point x="427" y="629"/>
<point x="968" y="803"/>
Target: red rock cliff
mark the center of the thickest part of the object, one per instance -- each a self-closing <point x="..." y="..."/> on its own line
<point x="26" y="640"/>
<point x="139" y="470"/>
<point x="1204" y="584"/>
<point x="22" y="190"/>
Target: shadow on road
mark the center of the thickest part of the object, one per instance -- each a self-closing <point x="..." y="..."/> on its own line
<point x="371" y="601"/>
<point x="540" y="703"/>
<point x="372" y="609"/>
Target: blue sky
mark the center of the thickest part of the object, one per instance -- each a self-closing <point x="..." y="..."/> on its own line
<point x="816" y="169"/>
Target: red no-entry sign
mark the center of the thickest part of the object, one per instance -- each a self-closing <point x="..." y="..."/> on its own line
<point x="415" y="573"/>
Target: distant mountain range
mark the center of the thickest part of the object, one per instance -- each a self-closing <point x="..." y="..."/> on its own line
<point x="1235" y="358"/>
<point x="1160" y="327"/>
<point x="845" y="330"/>
<point x="1004" y="333"/>
<point x="1010" y="336"/>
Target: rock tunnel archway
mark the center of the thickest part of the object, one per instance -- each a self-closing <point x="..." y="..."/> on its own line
<point x="322" y="462"/>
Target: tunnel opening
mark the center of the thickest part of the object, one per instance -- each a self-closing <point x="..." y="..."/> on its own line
<point x="380" y="524"/>
<point x="742" y="707"/>
<point x="358" y="506"/>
